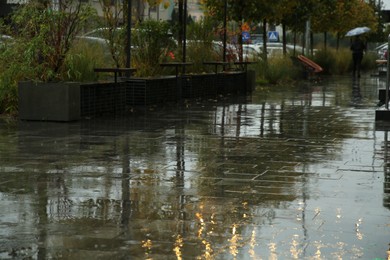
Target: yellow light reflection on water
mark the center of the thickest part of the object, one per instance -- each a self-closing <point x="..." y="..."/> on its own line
<point x="253" y="244"/>
<point x="208" y="249"/>
<point x="388" y="253"/>
<point x="147" y="244"/>
<point x="202" y="224"/>
<point x="208" y="253"/>
<point x="294" y="249"/>
<point x="318" y="245"/>
<point x="178" y="246"/>
<point x="233" y="248"/>
<point x="272" y="249"/>
<point x="359" y="234"/>
<point x="338" y="215"/>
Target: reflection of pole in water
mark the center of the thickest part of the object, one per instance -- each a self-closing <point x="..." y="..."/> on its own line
<point x="180" y="169"/>
<point x="42" y="215"/>
<point x="262" y="119"/>
<point x="180" y="163"/>
<point x="238" y="124"/>
<point x="223" y="121"/>
<point x="356" y="95"/>
<point x="126" y="204"/>
<point x="386" y="184"/>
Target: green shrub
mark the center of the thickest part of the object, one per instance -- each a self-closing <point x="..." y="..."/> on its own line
<point x="326" y="59"/>
<point x="369" y="61"/>
<point x="8" y="96"/>
<point x="279" y="69"/>
<point x="198" y="52"/>
<point x="338" y="62"/>
<point x="153" y="43"/>
<point x="13" y="68"/>
<point x="82" y="59"/>
<point x="343" y="61"/>
<point x="43" y="37"/>
<point x="200" y="46"/>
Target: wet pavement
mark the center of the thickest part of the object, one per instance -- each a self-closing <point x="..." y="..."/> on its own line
<point x="296" y="172"/>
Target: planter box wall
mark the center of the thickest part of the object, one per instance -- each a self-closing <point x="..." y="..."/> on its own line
<point x="102" y="98"/>
<point x="49" y="101"/>
<point x="150" y="91"/>
<point x="71" y="101"/>
<point x="201" y="85"/>
<point x="250" y="81"/>
<point x="231" y="82"/>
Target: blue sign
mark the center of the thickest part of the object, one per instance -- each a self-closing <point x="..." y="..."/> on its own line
<point x="246" y="36"/>
<point x="273" y="36"/>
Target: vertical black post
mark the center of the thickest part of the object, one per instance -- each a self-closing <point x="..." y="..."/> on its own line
<point x="224" y="31"/>
<point x="388" y="74"/>
<point x="128" y="40"/>
<point x="184" y="34"/>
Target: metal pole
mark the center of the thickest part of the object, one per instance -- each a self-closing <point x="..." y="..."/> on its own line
<point x="184" y="34"/>
<point x="224" y="31"/>
<point x="307" y="38"/>
<point x="128" y="40"/>
<point x="388" y="73"/>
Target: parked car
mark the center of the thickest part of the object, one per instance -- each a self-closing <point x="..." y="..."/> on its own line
<point x="99" y="36"/>
<point x="256" y="38"/>
<point x="231" y="51"/>
<point x="381" y="50"/>
<point x="251" y="52"/>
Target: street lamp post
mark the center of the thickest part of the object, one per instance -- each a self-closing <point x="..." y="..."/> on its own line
<point x="388" y="75"/>
<point x="224" y="30"/>
<point x="184" y="22"/>
<point x="128" y="39"/>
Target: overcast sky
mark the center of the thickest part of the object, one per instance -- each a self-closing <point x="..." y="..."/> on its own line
<point x="386" y="4"/>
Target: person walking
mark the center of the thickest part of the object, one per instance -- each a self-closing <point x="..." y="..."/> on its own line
<point x="358" y="47"/>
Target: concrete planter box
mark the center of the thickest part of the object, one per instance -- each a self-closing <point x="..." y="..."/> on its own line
<point x="49" y="101"/>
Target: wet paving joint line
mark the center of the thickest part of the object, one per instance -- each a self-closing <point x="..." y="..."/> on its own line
<point x="331" y="178"/>
<point x="4" y="182"/>
<point x="370" y="171"/>
<point x="322" y="223"/>
<point x="316" y="215"/>
<point x="312" y="141"/>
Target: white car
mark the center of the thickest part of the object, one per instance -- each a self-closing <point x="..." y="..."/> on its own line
<point x="251" y="52"/>
<point x="381" y="50"/>
<point x="98" y="36"/>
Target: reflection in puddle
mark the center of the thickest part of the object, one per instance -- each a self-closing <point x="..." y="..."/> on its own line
<point x="178" y="247"/>
<point x="269" y="176"/>
<point x="359" y="234"/>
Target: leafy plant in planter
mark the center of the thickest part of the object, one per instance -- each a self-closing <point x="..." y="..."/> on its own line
<point x="152" y="44"/>
<point x="46" y="34"/>
<point x="42" y="34"/>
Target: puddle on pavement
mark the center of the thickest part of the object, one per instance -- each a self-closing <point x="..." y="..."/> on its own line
<point x="287" y="172"/>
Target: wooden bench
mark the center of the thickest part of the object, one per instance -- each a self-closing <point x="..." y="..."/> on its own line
<point x="309" y="66"/>
<point x="177" y="65"/>
<point x="116" y="71"/>
<point x="244" y="64"/>
<point x="216" y="64"/>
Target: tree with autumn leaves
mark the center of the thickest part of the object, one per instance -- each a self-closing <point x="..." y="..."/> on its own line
<point x="326" y="16"/>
